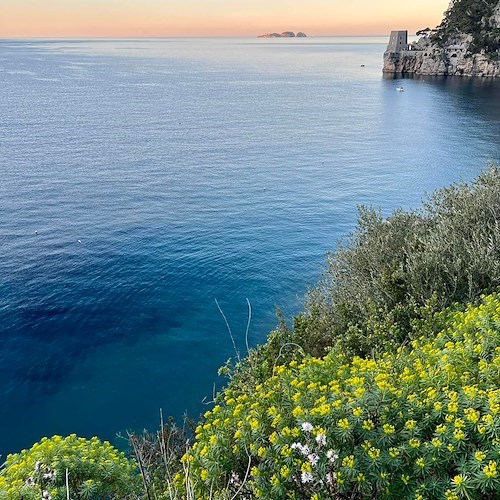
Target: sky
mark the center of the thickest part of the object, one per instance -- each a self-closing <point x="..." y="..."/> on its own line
<point x="144" y="18"/>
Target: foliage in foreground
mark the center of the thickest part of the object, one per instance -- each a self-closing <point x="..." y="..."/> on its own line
<point x="423" y="422"/>
<point x="96" y="470"/>
<point x="420" y="421"/>
<point x="387" y="284"/>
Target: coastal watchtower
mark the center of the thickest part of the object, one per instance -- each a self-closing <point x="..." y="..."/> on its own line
<point x="398" y="41"/>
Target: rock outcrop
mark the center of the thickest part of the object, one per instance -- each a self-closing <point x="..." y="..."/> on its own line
<point x="285" y="34"/>
<point x="467" y="43"/>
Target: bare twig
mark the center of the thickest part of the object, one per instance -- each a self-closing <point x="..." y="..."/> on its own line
<point x="244" y="479"/>
<point x="189" y="486"/>
<point x="140" y="461"/>
<point x="229" y="330"/>
<point x="212" y="401"/>
<point x="285" y="345"/>
<point x="67" y="484"/>
<point x="248" y="324"/>
<point x="163" y="450"/>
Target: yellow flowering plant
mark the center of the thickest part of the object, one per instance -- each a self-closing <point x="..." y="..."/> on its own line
<point x="422" y="422"/>
<point x="95" y="470"/>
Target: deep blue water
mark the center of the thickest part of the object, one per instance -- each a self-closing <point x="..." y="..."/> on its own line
<point x="142" y="179"/>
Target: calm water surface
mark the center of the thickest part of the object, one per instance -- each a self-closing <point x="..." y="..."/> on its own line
<point x="142" y="179"/>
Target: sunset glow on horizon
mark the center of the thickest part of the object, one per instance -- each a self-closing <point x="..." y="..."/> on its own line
<point x="155" y="18"/>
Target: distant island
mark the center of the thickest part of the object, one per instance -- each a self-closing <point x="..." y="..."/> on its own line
<point x="466" y="43"/>
<point x="285" y="34"/>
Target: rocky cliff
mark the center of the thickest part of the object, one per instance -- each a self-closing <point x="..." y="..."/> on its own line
<point x="285" y="34"/>
<point x="466" y="43"/>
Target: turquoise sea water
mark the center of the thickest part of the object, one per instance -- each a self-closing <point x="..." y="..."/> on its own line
<point x="143" y="179"/>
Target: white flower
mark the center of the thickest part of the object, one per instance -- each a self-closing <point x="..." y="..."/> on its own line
<point x="307" y="427"/>
<point x="313" y="458"/>
<point x="332" y="456"/>
<point x="306" y="477"/>
<point x="321" y="439"/>
<point x="331" y="477"/>
<point x="303" y="448"/>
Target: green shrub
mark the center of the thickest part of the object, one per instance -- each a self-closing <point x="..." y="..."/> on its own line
<point x="471" y="17"/>
<point x="389" y="281"/>
<point x="397" y="271"/>
<point x="422" y="422"/>
<point x="96" y="470"/>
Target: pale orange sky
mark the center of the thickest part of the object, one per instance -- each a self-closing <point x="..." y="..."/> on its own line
<point x="140" y="18"/>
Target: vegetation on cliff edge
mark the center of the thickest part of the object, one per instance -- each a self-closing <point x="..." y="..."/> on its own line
<point x="471" y="17"/>
<point x="384" y="285"/>
<point x="422" y="422"/>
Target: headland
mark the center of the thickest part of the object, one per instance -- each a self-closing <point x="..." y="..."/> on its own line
<point x="466" y="43"/>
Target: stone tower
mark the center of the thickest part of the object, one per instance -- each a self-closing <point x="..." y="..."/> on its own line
<point x="398" y="41"/>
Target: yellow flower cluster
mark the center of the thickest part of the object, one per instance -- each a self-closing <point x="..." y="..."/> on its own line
<point x="96" y="469"/>
<point x="382" y="426"/>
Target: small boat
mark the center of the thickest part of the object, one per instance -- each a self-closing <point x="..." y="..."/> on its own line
<point x="400" y="89"/>
<point x="362" y="65"/>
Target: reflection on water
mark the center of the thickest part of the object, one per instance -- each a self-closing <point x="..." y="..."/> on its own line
<point x="474" y="94"/>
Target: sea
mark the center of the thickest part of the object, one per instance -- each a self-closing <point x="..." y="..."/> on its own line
<point x="144" y="183"/>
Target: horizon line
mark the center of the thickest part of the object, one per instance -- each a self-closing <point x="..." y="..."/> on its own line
<point x="156" y="37"/>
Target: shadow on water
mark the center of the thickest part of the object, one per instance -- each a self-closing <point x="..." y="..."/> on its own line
<point x="47" y="372"/>
<point x="457" y="84"/>
<point x="483" y="91"/>
<point x="35" y="314"/>
<point x="49" y="341"/>
<point x="68" y="310"/>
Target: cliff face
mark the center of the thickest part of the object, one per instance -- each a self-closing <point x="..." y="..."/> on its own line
<point x="467" y="43"/>
<point x="452" y="59"/>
